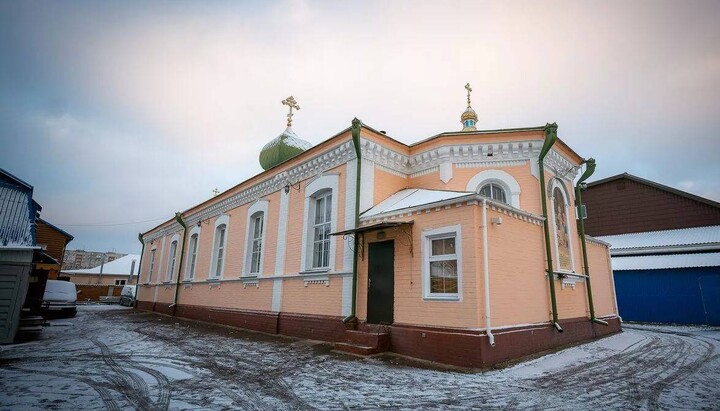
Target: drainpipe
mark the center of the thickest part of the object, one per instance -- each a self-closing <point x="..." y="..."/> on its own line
<point x="356" y="124"/>
<point x="486" y="272"/>
<point x="550" y="137"/>
<point x="137" y="282"/>
<point x="178" y="218"/>
<point x="589" y="170"/>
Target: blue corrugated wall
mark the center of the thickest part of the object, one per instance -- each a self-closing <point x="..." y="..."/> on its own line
<point x="679" y="295"/>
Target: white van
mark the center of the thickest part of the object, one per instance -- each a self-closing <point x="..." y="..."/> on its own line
<point x="127" y="295"/>
<point x="60" y="299"/>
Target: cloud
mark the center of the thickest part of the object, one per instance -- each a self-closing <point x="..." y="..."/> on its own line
<point x="135" y="111"/>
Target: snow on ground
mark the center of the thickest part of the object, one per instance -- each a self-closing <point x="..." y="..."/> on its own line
<point x="115" y="358"/>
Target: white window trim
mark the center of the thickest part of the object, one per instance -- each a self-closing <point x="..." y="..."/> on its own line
<point x="172" y="265"/>
<point x="261" y="206"/>
<point x="322" y="183"/>
<point x="153" y="253"/>
<point x="194" y="231"/>
<point x="223" y="219"/>
<point x="500" y="177"/>
<point x="555" y="183"/>
<point x="427" y="236"/>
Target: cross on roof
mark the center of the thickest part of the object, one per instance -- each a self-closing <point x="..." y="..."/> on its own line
<point x="469" y="89"/>
<point x="292" y="104"/>
<point x="216" y="192"/>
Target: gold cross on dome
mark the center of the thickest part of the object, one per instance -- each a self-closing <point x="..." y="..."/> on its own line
<point x="292" y="104"/>
<point x="467" y="87"/>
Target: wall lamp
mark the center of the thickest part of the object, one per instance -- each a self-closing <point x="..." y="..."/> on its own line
<point x="295" y="186"/>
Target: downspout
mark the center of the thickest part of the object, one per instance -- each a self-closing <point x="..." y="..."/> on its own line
<point x="550" y="137"/>
<point x="178" y="218"/>
<point x="486" y="272"/>
<point x="589" y="170"/>
<point x="356" y="124"/>
<point x="137" y="282"/>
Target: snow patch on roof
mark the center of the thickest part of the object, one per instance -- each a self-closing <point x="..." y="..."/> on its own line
<point x="655" y="262"/>
<point x="413" y="197"/>
<point x="665" y="238"/>
<point x="121" y="266"/>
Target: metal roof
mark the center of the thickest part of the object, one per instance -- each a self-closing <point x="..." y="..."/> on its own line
<point x="413" y="197"/>
<point x="121" y="266"/>
<point x="695" y="236"/>
<point x="656" y="262"/>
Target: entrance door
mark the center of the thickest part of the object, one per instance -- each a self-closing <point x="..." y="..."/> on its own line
<point x="381" y="282"/>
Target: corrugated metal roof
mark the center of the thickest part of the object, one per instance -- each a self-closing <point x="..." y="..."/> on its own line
<point x="413" y="197"/>
<point x="655" y="262"/>
<point x="17" y="217"/>
<point x="665" y="238"/>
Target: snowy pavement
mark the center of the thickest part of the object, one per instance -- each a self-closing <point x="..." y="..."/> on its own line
<point x="113" y="358"/>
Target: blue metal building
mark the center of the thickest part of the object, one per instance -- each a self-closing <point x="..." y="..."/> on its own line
<point x="670" y="276"/>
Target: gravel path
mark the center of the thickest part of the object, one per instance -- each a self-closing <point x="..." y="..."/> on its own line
<point x="111" y="358"/>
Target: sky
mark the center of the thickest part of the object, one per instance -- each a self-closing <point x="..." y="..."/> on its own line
<point x="121" y="113"/>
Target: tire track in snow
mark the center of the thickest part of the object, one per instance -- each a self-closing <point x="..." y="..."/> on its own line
<point x="105" y="396"/>
<point x="131" y="384"/>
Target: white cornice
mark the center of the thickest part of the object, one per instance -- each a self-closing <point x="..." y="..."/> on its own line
<point x="329" y="159"/>
<point x="463" y="155"/>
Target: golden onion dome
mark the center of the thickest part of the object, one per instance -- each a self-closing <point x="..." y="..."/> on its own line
<point x="469" y="114"/>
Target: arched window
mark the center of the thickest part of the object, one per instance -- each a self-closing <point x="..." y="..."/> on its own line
<point x="498" y="185"/>
<point x="493" y="191"/>
<point x="321" y="229"/>
<point x="192" y="256"/>
<point x="219" y="245"/>
<point x="321" y="205"/>
<point x="561" y="223"/>
<point x="171" y="260"/>
<point x="255" y="238"/>
<point x="152" y="265"/>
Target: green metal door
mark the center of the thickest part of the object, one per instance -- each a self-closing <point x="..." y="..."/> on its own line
<point x="381" y="282"/>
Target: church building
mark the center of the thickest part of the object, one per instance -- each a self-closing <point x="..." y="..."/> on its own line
<point x="463" y="248"/>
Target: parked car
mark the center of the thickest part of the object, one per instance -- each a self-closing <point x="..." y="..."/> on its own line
<point x="60" y="299"/>
<point x="127" y="295"/>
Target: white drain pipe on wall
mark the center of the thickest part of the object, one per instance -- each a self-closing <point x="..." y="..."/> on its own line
<point x="486" y="272"/>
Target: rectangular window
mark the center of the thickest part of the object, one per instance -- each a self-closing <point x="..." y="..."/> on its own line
<point x="152" y="265"/>
<point x="171" y="261"/>
<point x="443" y="266"/>
<point x="192" y="257"/>
<point x="442" y="263"/>
<point x="120" y="282"/>
<point x="321" y="231"/>
<point x="220" y="250"/>
<point x="256" y="244"/>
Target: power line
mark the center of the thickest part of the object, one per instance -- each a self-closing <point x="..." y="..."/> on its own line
<point x="113" y="224"/>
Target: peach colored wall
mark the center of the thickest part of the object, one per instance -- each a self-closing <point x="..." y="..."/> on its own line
<point x="603" y="288"/>
<point x="477" y="139"/>
<point x="296" y="215"/>
<point x="230" y="294"/>
<point x="387" y="184"/>
<point x="314" y="299"/>
<point x="519" y="291"/>
<point x="410" y="306"/>
<point x="166" y="294"/>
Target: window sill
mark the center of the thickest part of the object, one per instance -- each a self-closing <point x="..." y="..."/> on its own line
<point x="249" y="276"/>
<point x="441" y="298"/>
<point x="213" y="280"/>
<point x="187" y="281"/>
<point x="167" y="282"/>
<point x="315" y="271"/>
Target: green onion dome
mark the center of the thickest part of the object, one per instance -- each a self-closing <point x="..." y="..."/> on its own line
<point x="284" y="147"/>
